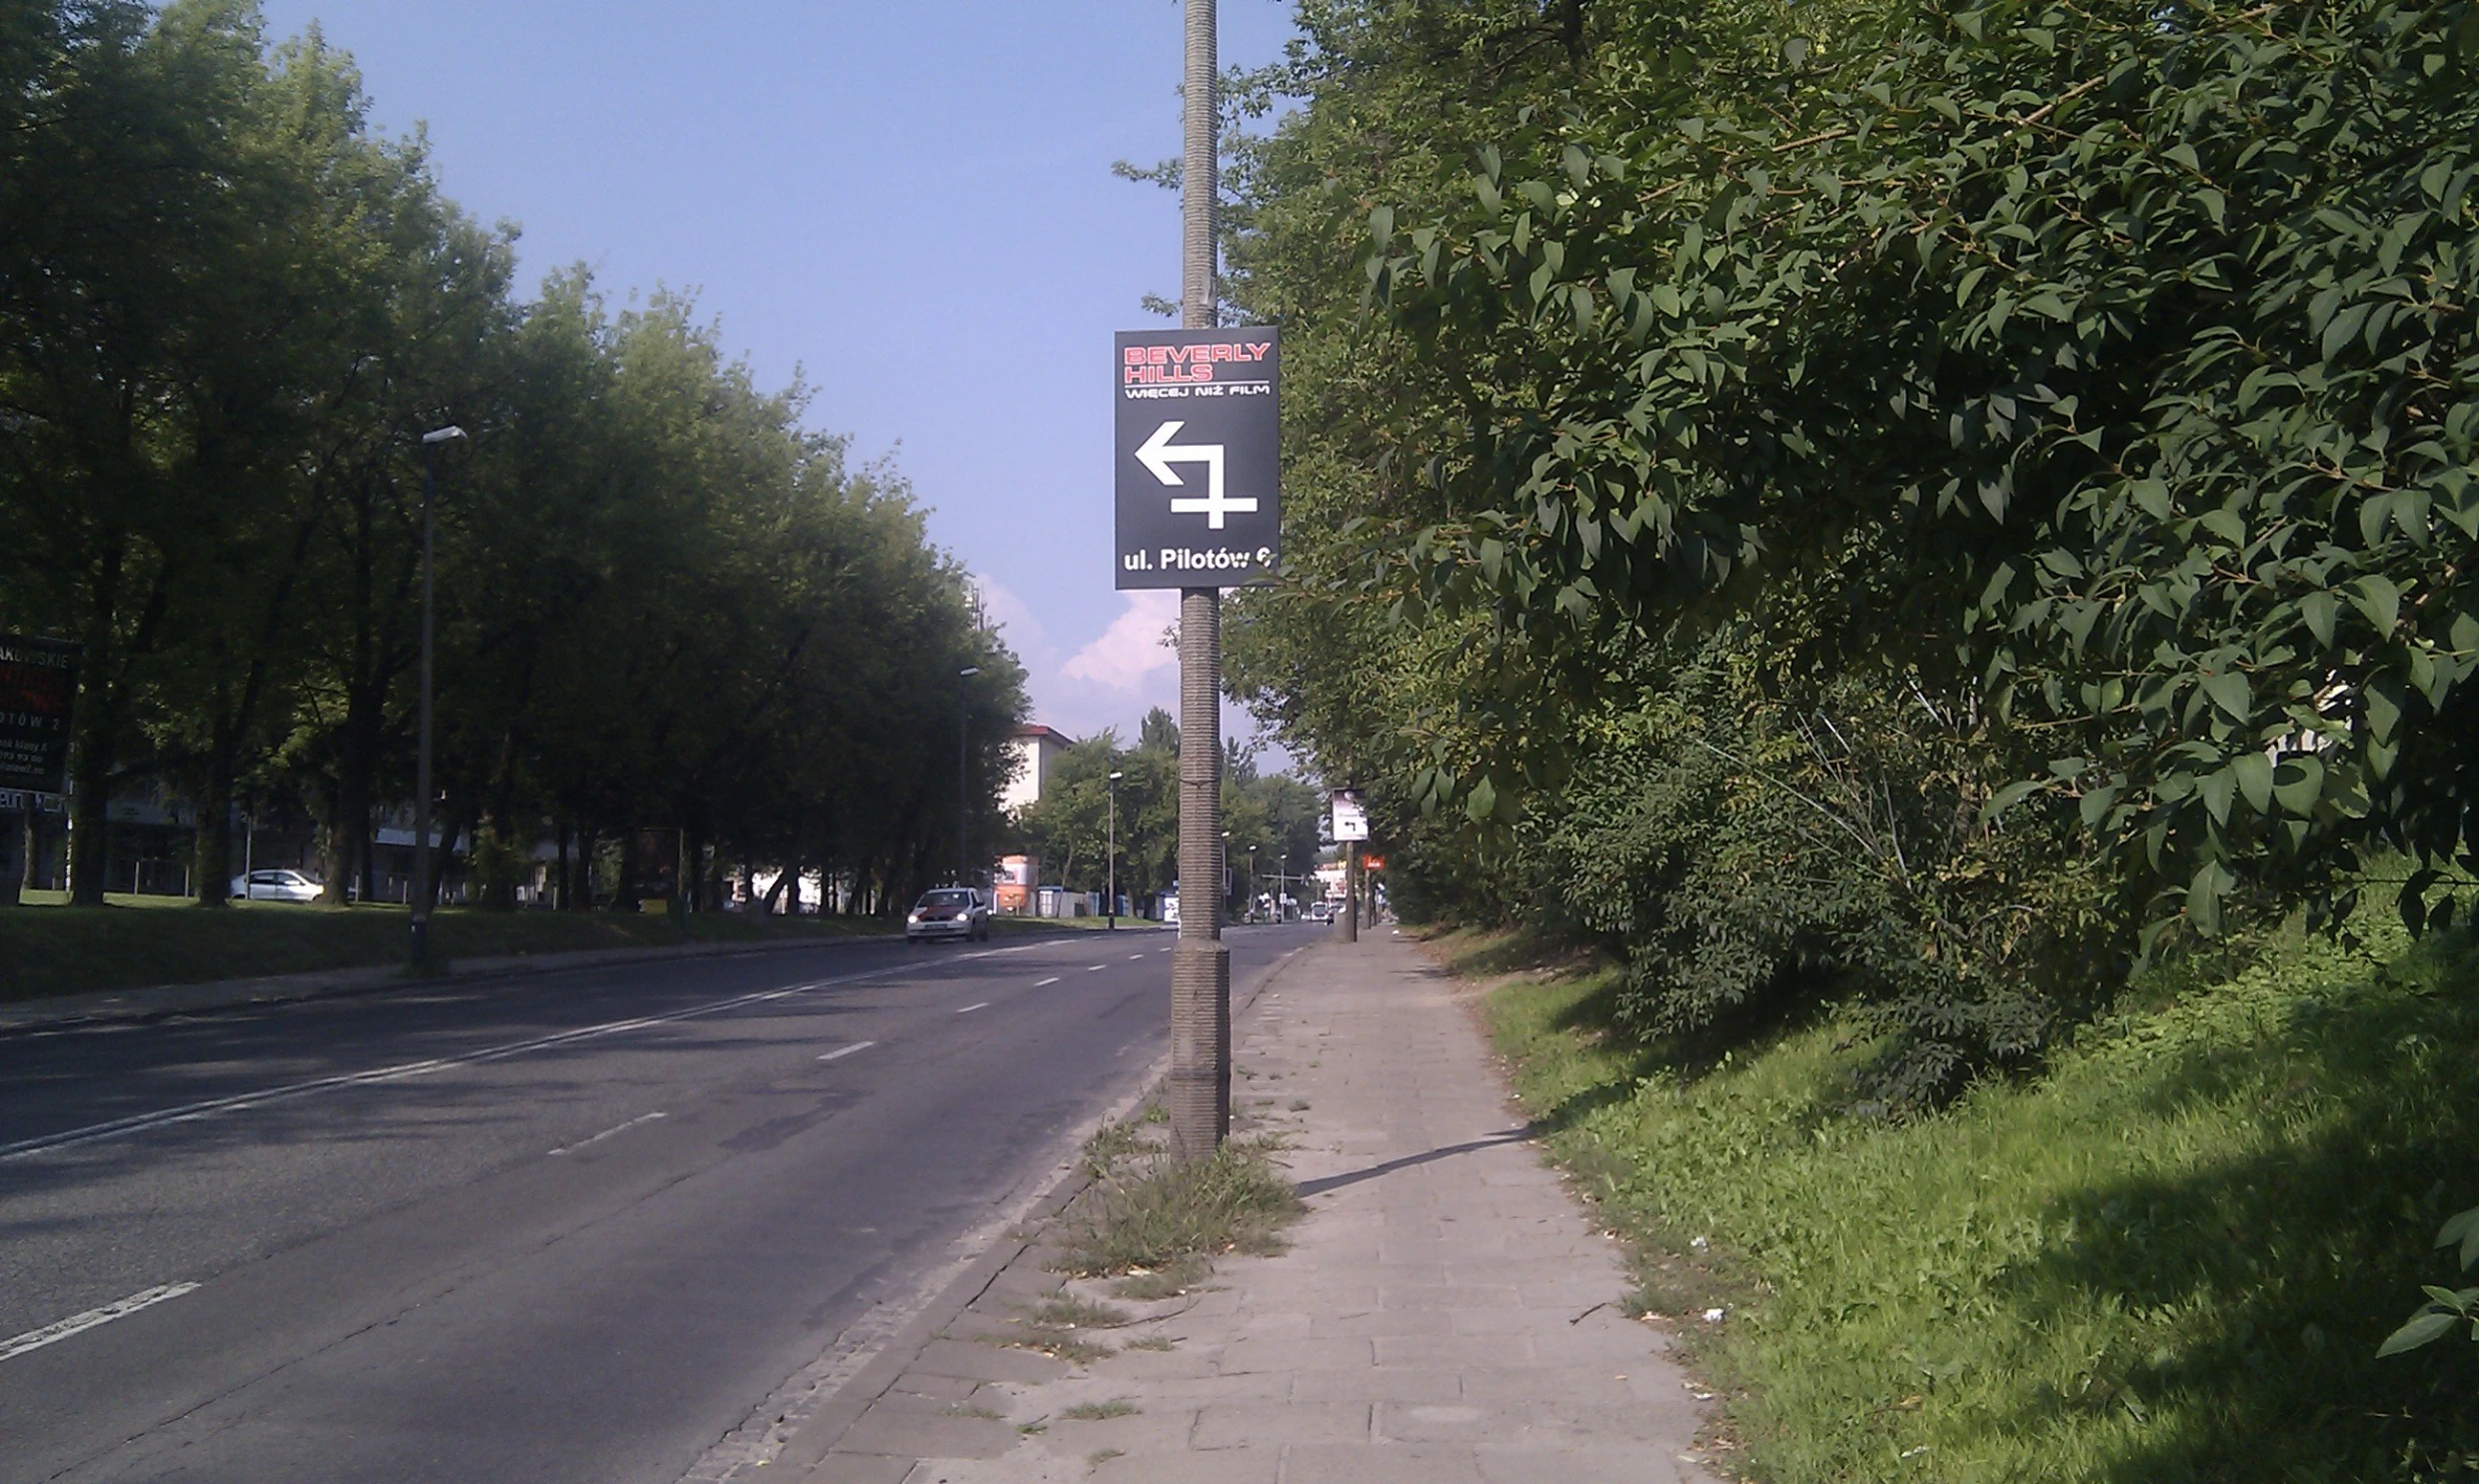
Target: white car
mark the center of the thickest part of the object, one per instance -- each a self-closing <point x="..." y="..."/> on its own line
<point x="276" y="885"/>
<point x="948" y="912"/>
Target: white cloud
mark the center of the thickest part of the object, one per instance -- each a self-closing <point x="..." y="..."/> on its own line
<point x="1133" y="647"/>
<point x="1024" y="633"/>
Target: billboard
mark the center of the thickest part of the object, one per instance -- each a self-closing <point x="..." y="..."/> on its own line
<point x="38" y="686"/>
<point x="1197" y="480"/>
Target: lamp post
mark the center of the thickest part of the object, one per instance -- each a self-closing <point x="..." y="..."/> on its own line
<point x="421" y="944"/>
<point x="963" y="810"/>
<point x="1111" y="864"/>
<point x="1251" y="884"/>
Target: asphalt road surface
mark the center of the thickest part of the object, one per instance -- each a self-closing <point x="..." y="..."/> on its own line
<point x="573" y="1227"/>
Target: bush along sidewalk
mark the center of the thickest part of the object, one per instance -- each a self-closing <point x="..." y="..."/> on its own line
<point x="2172" y="1255"/>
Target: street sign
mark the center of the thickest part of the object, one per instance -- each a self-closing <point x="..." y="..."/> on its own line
<point x="1197" y="473"/>
<point x="1350" y="820"/>
<point x="38" y="685"/>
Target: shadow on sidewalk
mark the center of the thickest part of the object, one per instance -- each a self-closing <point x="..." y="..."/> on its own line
<point x="1337" y="1182"/>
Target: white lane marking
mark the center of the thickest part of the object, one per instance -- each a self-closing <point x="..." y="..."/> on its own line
<point x="191" y="1113"/>
<point x="995" y="952"/>
<point x="1052" y="979"/>
<point x="848" y="1050"/>
<point x="608" y="1132"/>
<point x="1095" y="968"/>
<point x="1162" y="950"/>
<point x="968" y="1009"/>
<point x="1132" y="957"/>
<point x="36" y="1339"/>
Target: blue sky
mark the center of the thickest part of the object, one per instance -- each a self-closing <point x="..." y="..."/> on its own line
<point x="891" y="199"/>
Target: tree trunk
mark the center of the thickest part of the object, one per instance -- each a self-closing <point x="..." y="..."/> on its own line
<point x="211" y="856"/>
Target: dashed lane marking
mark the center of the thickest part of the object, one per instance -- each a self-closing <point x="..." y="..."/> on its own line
<point x="1095" y="968"/>
<point x="848" y="1050"/>
<point x="1052" y="979"/>
<point x="608" y="1132"/>
<point x="36" y="1339"/>
<point x="192" y="1112"/>
<point x="968" y="1009"/>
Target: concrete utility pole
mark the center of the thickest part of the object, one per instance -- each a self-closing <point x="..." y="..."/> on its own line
<point x="1200" y="964"/>
<point x="1347" y="923"/>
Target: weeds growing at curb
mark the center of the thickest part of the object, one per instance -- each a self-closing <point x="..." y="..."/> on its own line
<point x="1067" y="1311"/>
<point x="1153" y="1342"/>
<point x="1103" y="1411"/>
<point x="1066" y="1344"/>
<point x="1097" y="1459"/>
<point x="1150" y="1212"/>
<point x="974" y="1409"/>
<point x="1153" y="1284"/>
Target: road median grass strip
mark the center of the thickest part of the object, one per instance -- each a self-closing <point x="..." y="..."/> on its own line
<point x="2172" y="1256"/>
<point x="54" y="950"/>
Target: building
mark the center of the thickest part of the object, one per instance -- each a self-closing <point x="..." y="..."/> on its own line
<point x="1036" y="749"/>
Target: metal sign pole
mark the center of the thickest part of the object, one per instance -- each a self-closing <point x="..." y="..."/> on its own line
<point x="1200" y="964"/>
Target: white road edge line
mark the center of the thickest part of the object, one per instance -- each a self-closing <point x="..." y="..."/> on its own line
<point x="1052" y="979"/>
<point x="191" y="1113"/>
<point x="968" y="1009"/>
<point x="36" y="1339"/>
<point x="608" y="1132"/>
<point x="848" y="1050"/>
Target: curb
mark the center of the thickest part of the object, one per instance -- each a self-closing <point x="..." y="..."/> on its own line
<point x="815" y="1438"/>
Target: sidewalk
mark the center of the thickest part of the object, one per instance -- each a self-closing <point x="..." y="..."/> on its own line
<point x="1447" y="1314"/>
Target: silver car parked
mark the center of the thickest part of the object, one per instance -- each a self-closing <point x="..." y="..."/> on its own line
<point x="276" y="885"/>
<point x="948" y="912"/>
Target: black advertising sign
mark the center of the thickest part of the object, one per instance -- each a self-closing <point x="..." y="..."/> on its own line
<point x="38" y="684"/>
<point x="1198" y="477"/>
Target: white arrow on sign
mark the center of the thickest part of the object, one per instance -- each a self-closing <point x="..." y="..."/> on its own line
<point x="1158" y="453"/>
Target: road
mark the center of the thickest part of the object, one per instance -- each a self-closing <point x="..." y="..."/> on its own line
<point x="574" y="1227"/>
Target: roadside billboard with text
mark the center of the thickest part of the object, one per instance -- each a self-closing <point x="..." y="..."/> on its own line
<point x="1198" y="477"/>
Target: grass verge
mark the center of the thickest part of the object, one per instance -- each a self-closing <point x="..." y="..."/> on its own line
<point x="48" y="950"/>
<point x="2171" y="1257"/>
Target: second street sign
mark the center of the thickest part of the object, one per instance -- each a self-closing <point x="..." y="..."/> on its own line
<point x="1200" y="503"/>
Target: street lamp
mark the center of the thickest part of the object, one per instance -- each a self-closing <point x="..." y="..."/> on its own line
<point x="963" y="810"/>
<point x="1112" y="907"/>
<point x="421" y="945"/>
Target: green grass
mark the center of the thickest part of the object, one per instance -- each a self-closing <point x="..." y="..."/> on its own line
<point x="1067" y="1311"/>
<point x="141" y="940"/>
<point x="2169" y="1258"/>
<point x="1149" y="1216"/>
<point x="1102" y="1411"/>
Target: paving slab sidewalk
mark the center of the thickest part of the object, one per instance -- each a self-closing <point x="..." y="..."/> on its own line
<point x="1447" y="1313"/>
